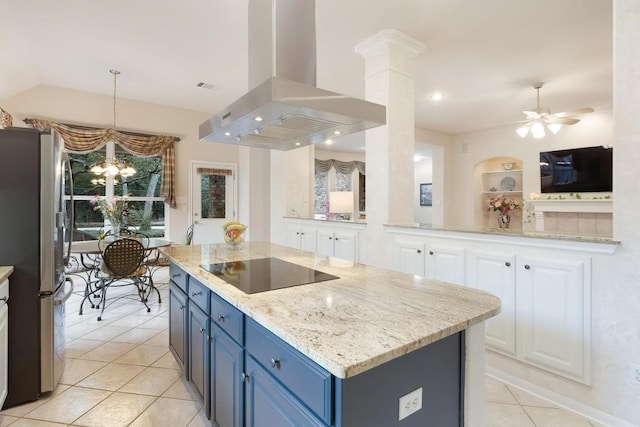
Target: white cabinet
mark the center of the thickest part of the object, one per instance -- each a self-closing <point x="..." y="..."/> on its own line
<point x="445" y="262"/>
<point x="553" y="314"/>
<point x="495" y="272"/>
<point x="337" y="244"/>
<point x="409" y="257"/>
<point x="4" y="337"/>
<point x="300" y="237"/>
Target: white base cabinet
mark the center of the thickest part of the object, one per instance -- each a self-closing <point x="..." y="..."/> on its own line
<point x="337" y="244"/>
<point x="495" y="272"/>
<point x="302" y="238"/>
<point x="545" y="319"/>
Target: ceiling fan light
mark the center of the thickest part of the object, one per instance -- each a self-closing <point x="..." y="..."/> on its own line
<point x="522" y="131"/>
<point x="554" y="127"/>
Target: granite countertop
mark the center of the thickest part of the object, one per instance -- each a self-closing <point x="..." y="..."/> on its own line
<point x="364" y="319"/>
<point x="5" y="272"/>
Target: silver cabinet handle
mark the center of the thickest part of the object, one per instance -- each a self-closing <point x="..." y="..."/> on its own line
<point x="182" y="307"/>
<point x="221" y="318"/>
<point x="244" y="377"/>
<point x="5" y="299"/>
<point x="275" y="363"/>
<point x="201" y="329"/>
<point x="176" y="275"/>
<point x="195" y="294"/>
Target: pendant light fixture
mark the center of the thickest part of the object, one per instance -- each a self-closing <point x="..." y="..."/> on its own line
<point x="112" y="166"/>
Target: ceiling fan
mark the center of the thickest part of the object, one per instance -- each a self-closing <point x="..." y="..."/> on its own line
<point x="541" y="119"/>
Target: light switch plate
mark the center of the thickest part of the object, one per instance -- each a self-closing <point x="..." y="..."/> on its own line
<point x="410" y="403"/>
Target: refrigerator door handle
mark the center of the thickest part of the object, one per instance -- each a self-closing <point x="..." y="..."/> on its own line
<point x="72" y="217"/>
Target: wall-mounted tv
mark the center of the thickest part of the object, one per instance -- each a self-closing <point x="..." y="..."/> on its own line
<point x="577" y="170"/>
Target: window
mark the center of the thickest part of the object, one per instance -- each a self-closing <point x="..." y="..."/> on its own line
<point x="142" y="190"/>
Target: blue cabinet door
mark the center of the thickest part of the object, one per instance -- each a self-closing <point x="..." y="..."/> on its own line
<point x="269" y="404"/>
<point x="227" y="392"/>
<point x="198" y="354"/>
<point x="178" y="324"/>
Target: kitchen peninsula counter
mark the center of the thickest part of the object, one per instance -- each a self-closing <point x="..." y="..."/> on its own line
<point x="367" y="317"/>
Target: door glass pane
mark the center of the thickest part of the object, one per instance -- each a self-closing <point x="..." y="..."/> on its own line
<point x="213" y="196"/>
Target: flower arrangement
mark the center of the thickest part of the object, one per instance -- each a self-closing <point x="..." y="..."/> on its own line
<point x="503" y="204"/>
<point x="112" y="212"/>
<point x="233" y="232"/>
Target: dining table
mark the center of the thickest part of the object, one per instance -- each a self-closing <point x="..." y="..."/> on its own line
<point x="85" y="262"/>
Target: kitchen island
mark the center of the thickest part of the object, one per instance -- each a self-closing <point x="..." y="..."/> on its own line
<point x="355" y="345"/>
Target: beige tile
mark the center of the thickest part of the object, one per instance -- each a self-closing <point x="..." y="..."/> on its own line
<point x="133" y="320"/>
<point x="497" y="391"/>
<point x="181" y="389"/>
<point x="111" y="377"/>
<point x="5" y="420"/>
<point x="528" y="399"/>
<point x="567" y="223"/>
<point x="119" y="409"/>
<point x="144" y="355"/>
<point x="108" y="351"/>
<point x="200" y="420"/>
<point x="554" y="417"/>
<point x="160" y="339"/>
<point x="550" y="222"/>
<point x="21" y="410"/>
<point x="82" y="329"/>
<point x="78" y="347"/>
<point x="137" y="335"/>
<point x="77" y="369"/>
<point x="25" y="422"/>
<point x="151" y="381"/>
<point x="587" y="223"/>
<point x="506" y="415"/>
<point x="156" y="323"/>
<point x="604" y="224"/>
<point x="167" y="361"/>
<point x="105" y="333"/>
<point x="68" y="405"/>
<point x="167" y="412"/>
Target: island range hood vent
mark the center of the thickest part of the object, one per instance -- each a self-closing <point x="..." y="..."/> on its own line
<point x="287" y="110"/>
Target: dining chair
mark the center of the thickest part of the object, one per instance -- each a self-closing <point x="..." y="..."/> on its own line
<point x="122" y="265"/>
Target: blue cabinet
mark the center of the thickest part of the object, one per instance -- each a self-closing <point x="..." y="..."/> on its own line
<point x="269" y="404"/>
<point x="198" y="355"/>
<point x="227" y="380"/>
<point x="178" y="324"/>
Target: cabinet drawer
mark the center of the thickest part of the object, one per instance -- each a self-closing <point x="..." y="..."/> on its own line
<point x="178" y="276"/>
<point x="199" y="294"/>
<point x="306" y="380"/>
<point x="227" y="317"/>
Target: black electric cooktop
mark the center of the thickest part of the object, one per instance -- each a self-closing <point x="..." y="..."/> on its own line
<point x="265" y="274"/>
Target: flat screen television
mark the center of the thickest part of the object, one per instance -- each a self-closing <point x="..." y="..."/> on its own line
<point x="576" y="170"/>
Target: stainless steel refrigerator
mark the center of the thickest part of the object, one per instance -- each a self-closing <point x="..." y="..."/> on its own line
<point x="33" y="225"/>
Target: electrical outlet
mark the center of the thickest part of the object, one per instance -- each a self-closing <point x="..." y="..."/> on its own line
<point x="410" y="403"/>
<point x="635" y="375"/>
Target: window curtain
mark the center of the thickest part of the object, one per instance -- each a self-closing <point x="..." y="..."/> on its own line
<point x="80" y="139"/>
<point x="342" y="167"/>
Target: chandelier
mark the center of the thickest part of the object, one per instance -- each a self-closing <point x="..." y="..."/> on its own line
<point x="112" y="167"/>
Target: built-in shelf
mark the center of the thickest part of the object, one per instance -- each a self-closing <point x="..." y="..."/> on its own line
<point x="578" y="206"/>
<point x="507" y="171"/>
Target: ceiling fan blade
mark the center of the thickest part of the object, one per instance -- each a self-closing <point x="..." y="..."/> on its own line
<point x="577" y="112"/>
<point x="532" y="114"/>
<point x="561" y="120"/>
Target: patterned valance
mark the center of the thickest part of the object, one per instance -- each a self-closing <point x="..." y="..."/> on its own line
<point x="343" y="167"/>
<point x="81" y="139"/>
<point x="214" y="171"/>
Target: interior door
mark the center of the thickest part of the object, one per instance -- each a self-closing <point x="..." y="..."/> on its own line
<point x="214" y="199"/>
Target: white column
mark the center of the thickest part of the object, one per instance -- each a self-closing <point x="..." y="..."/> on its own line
<point x="254" y="171"/>
<point x="389" y="80"/>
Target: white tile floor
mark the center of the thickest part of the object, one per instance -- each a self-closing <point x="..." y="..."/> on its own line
<point x="119" y="372"/>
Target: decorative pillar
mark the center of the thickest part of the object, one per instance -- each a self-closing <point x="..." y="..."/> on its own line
<point x="389" y="80"/>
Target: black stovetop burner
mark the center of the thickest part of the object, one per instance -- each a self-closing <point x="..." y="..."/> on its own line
<point x="265" y="274"/>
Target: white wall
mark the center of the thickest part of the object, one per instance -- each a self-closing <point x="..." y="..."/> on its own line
<point x="69" y="106"/>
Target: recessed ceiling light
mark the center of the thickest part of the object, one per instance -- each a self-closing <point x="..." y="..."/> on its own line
<point x="336" y="132"/>
<point x="227" y="134"/>
<point x="258" y="119"/>
<point x="437" y="96"/>
<point x="329" y="141"/>
<point x="417" y="158"/>
<point x="297" y="144"/>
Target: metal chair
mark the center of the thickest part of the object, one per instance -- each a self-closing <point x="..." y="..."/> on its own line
<point x="123" y="259"/>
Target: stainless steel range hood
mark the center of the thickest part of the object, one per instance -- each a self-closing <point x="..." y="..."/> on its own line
<point x="286" y="110"/>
